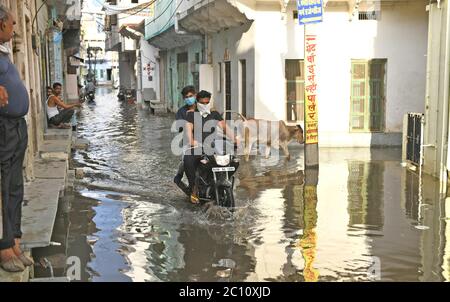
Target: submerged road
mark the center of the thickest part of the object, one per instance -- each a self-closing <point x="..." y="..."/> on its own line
<point x="127" y="221"/>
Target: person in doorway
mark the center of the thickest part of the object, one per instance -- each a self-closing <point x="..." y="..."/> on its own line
<point x="14" y="106"/>
<point x="209" y="117"/>
<point x="189" y="96"/>
<point x="56" y="117"/>
<point x="81" y="94"/>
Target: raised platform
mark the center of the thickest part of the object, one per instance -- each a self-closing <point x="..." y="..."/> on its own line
<point x="39" y="211"/>
<point x="56" y="149"/>
<point x="57" y="134"/>
<point x="156" y="106"/>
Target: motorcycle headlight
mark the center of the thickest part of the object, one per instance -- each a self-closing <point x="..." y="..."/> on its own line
<point x="222" y="160"/>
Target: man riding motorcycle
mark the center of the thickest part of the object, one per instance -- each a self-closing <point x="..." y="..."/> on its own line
<point x="208" y="120"/>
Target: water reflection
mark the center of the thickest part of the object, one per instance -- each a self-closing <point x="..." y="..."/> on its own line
<point x="129" y="222"/>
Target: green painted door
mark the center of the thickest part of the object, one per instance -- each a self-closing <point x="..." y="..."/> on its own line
<point x="367" y="95"/>
<point x="376" y="97"/>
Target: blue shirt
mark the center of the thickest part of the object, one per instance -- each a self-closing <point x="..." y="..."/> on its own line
<point x="19" y="101"/>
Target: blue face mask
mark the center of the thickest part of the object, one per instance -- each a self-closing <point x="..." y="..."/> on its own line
<point x="190" y="101"/>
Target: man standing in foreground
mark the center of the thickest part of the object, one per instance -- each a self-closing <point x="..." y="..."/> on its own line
<point x="14" y="105"/>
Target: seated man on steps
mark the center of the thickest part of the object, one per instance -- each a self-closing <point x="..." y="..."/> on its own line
<point x="56" y="117"/>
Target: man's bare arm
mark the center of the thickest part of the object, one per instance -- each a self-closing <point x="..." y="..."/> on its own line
<point x="190" y="134"/>
<point x="61" y="104"/>
<point x="226" y="129"/>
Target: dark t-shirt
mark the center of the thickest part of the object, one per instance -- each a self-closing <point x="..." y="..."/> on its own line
<point x="181" y="113"/>
<point x="180" y="117"/>
<point x="210" y="121"/>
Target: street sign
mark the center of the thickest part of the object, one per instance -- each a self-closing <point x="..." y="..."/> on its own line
<point x="310" y="11"/>
<point x="311" y="114"/>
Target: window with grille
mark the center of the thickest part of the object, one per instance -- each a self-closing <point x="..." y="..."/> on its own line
<point x="369" y="15"/>
<point x="369" y="10"/>
<point x="295" y="90"/>
<point x="368" y="90"/>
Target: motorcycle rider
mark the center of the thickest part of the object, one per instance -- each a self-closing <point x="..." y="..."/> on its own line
<point x="189" y="96"/>
<point x="90" y="87"/>
<point x="210" y="120"/>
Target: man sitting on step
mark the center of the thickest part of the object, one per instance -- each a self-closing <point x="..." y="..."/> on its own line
<point x="56" y="117"/>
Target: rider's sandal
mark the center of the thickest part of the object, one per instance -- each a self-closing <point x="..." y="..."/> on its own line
<point x="195" y="199"/>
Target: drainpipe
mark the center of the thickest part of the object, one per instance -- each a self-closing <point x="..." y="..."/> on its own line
<point x="444" y="136"/>
<point x="177" y="28"/>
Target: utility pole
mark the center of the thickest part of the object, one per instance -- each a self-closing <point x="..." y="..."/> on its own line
<point x="90" y="64"/>
<point x="311" y="99"/>
<point x="95" y="50"/>
<point x="310" y="12"/>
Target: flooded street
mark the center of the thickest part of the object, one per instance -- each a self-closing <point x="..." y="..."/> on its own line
<point x="127" y="221"/>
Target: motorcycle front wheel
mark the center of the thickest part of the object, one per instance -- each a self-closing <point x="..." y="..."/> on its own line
<point x="226" y="198"/>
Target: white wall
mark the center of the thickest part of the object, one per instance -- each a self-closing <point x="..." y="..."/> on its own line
<point x="240" y="43"/>
<point x="275" y="41"/>
<point x="150" y="53"/>
<point x="206" y="74"/>
<point x="71" y="87"/>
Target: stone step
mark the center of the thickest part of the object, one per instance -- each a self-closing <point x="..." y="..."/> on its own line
<point x="80" y="144"/>
<point x="56" y="149"/>
<point x="58" y="134"/>
<point x="54" y="279"/>
<point x="70" y="181"/>
<point x="50" y="168"/>
<point x="157" y="107"/>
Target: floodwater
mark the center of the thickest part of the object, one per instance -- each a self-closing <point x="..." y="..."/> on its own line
<point x="368" y="219"/>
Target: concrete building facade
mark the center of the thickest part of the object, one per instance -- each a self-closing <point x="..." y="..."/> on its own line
<point x="371" y="63"/>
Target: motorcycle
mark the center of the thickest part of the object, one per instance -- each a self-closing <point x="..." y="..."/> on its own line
<point x="130" y="96"/>
<point x="91" y="97"/>
<point x="215" y="178"/>
<point x="121" y="95"/>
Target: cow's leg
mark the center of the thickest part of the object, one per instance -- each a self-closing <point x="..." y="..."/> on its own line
<point x="246" y="143"/>
<point x="267" y="150"/>
<point x="284" y="147"/>
<point x="248" y="149"/>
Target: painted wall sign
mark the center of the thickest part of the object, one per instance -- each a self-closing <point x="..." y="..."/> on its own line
<point x="311" y="107"/>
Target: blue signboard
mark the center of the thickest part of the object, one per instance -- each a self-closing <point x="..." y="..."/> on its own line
<point x="309" y="11"/>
